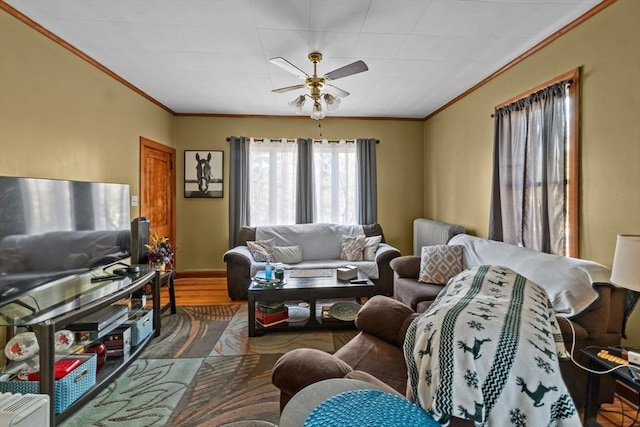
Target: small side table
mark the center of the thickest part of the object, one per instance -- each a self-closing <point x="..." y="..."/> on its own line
<point x="593" y="382"/>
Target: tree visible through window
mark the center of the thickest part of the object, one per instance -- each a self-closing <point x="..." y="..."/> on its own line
<point x="535" y="187"/>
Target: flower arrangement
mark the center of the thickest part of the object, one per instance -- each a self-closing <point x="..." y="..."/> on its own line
<point x="160" y="250"/>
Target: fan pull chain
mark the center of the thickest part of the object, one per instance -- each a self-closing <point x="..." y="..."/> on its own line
<point x="320" y="127"/>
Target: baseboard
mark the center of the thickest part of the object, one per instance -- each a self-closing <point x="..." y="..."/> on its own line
<point x="201" y="274"/>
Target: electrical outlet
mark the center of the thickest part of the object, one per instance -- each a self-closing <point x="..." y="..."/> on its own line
<point x="134" y="201"/>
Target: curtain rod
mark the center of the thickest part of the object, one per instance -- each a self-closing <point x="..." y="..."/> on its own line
<point x="330" y="141"/>
<point x="534" y="92"/>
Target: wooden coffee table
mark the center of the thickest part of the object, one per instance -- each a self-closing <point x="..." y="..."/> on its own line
<point x="309" y="290"/>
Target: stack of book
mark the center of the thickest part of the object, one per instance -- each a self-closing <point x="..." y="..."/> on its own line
<point x="269" y="314"/>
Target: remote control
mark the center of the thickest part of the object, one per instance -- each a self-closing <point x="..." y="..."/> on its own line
<point x="104" y="278"/>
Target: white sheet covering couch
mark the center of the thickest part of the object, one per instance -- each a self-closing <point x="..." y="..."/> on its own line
<point x="579" y="291"/>
<point x="309" y="246"/>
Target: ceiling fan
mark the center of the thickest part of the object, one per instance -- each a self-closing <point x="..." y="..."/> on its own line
<point x="317" y="84"/>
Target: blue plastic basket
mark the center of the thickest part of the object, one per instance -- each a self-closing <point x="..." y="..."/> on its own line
<point x="371" y="408"/>
<point x="67" y="389"/>
<point x="141" y="326"/>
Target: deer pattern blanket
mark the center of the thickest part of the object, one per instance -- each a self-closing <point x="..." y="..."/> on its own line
<point x="487" y="350"/>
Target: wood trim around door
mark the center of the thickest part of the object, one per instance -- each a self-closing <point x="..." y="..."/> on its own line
<point x="171" y="192"/>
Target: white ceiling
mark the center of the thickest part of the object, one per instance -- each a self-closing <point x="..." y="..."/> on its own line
<point x="211" y="56"/>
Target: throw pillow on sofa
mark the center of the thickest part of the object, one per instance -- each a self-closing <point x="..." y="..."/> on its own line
<point x="370" y="247"/>
<point x="352" y="248"/>
<point x="288" y="254"/>
<point x="261" y="250"/>
<point x="439" y="263"/>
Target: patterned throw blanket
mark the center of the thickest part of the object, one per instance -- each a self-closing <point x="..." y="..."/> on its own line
<point x="487" y="350"/>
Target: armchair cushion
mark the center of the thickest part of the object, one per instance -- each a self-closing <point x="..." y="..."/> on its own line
<point x="412" y="293"/>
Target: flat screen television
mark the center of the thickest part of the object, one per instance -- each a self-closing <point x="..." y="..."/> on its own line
<point x="50" y="229"/>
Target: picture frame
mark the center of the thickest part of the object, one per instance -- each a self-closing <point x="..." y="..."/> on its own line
<point x="203" y="173"/>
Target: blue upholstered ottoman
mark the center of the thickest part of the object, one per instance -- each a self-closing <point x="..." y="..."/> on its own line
<point x="368" y="408"/>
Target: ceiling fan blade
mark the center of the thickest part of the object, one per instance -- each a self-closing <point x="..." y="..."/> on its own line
<point x="340" y="92"/>
<point x="288" y="66"/>
<point x="347" y="70"/>
<point x="288" y="88"/>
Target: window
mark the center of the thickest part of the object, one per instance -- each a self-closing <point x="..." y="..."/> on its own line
<point x="534" y="197"/>
<point x="273" y="181"/>
<point x="335" y="186"/>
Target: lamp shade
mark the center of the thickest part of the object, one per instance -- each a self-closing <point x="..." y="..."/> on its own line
<point x="317" y="113"/>
<point x="626" y="262"/>
<point x="333" y="102"/>
<point x="296" y="104"/>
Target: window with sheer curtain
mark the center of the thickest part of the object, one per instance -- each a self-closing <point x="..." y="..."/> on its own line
<point x="535" y="186"/>
<point x="273" y="170"/>
<point x="335" y="182"/>
<point x="272" y="182"/>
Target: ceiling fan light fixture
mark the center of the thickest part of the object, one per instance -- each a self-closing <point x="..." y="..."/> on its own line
<point x="317" y="113"/>
<point x="315" y="84"/>
<point x="333" y="102"/>
<point x="296" y="104"/>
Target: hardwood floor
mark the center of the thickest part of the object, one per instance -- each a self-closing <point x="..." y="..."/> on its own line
<point x="212" y="291"/>
<point x="611" y="415"/>
<point x="207" y="291"/>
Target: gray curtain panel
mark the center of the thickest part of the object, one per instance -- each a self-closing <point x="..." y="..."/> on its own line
<point x="238" y="186"/>
<point x="528" y="200"/>
<point x="304" y="190"/>
<point x="367" y="181"/>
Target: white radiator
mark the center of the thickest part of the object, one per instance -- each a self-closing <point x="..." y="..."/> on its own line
<point x="24" y="410"/>
<point x="427" y="232"/>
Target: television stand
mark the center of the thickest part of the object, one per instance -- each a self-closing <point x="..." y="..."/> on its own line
<point x="53" y="307"/>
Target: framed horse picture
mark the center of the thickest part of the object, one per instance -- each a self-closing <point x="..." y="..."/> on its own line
<point x="203" y="174"/>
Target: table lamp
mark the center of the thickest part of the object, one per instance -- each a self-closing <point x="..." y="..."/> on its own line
<point x="626" y="270"/>
<point x="626" y="262"/>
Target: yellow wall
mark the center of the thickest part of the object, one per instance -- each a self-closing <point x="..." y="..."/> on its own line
<point x="61" y="117"/>
<point x="203" y="223"/>
<point x="458" y="141"/>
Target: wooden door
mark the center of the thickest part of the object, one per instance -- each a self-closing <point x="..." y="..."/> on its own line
<point x="158" y="187"/>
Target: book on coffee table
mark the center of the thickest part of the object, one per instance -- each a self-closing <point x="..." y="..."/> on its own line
<point x="270" y="319"/>
<point x="277" y="322"/>
<point x="270" y="308"/>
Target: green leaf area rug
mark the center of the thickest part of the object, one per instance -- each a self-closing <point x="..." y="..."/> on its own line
<point x="203" y="370"/>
